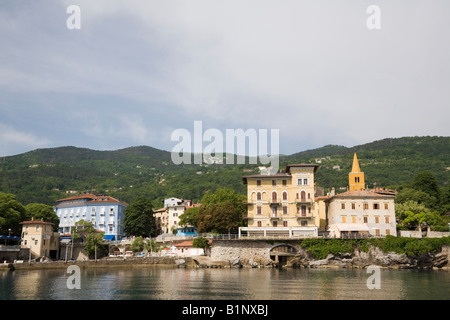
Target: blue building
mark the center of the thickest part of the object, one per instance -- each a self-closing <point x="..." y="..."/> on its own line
<point x="104" y="212"/>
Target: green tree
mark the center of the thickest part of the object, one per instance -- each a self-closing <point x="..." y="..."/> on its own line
<point x="12" y="213"/>
<point x="139" y="219"/>
<point x="421" y="197"/>
<point x="94" y="244"/>
<point x="218" y="217"/>
<point x="152" y="246"/>
<point x="227" y="198"/>
<point x="138" y="244"/>
<point x="201" y="242"/>
<point x="189" y="217"/>
<point x="82" y="229"/>
<point x="426" y="182"/>
<point x="42" y="211"/>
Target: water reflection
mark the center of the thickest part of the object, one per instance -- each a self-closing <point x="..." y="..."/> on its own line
<point x="227" y="284"/>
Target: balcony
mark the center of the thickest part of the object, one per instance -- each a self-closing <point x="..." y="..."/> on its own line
<point x="303" y="201"/>
<point x="304" y="215"/>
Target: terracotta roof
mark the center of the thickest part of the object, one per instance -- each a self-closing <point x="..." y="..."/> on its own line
<point x="360" y="193"/>
<point x="92" y="198"/>
<point x="288" y="167"/>
<point x="286" y="174"/>
<point x="36" y="221"/>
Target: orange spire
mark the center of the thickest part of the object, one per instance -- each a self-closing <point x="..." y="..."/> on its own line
<point x="355" y="167"/>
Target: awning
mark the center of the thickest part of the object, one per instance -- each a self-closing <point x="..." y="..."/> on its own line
<point x="109" y="237"/>
<point x="352" y="227"/>
<point x="10" y="238"/>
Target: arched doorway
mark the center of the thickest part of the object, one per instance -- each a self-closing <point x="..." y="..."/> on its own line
<point x="282" y="253"/>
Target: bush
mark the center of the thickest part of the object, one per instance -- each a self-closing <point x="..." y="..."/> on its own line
<point x="320" y="248"/>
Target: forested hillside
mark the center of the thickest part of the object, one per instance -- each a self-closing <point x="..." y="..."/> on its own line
<point x="45" y="175"/>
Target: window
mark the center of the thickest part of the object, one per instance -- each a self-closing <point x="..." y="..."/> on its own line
<point x="274" y="196"/>
<point x="305" y="182"/>
<point x="284" y="182"/>
<point x="366" y="206"/>
<point x="274" y="182"/>
<point x="285" y="210"/>
<point x="303" y="196"/>
<point x="388" y="232"/>
<point x="353" y="219"/>
<point x="35" y="242"/>
<point x="258" y="196"/>
<point x="110" y="228"/>
<point x="365" y="219"/>
<point x="37" y="227"/>
<point x="376" y="206"/>
<point x="284" y="195"/>
<point x="304" y="223"/>
<point x="386" y="206"/>
<point x="274" y="223"/>
<point x="377" y="219"/>
<point x="357" y="179"/>
<point x="258" y="210"/>
<point x="303" y="211"/>
<point x="386" y="219"/>
<point x="259" y="223"/>
<point x="258" y="182"/>
<point x="285" y="224"/>
<point x="353" y="206"/>
<point x="274" y="211"/>
<point x="342" y="205"/>
<point x="377" y="232"/>
<point x="343" y="219"/>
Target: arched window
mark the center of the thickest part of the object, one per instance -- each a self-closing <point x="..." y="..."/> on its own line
<point x="303" y="196"/>
<point x="274" y="196"/>
<point x="258" y="196"/>
<point x="284" y="195"/>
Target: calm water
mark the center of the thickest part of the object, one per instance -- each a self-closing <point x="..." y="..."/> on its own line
<point x="227" y="284"/>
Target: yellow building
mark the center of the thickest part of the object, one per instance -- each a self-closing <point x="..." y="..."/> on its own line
<point x="283" y="204"/>
<point x="38" y="235"/>
<point x="356" y="177"/>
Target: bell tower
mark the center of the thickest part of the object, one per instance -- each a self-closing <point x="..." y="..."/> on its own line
<point x="356" y="177"/>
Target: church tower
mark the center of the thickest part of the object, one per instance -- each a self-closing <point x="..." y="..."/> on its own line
<point x="356" y="177"/>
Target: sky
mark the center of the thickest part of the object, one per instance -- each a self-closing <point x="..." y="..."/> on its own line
<point x="137" y="70"/>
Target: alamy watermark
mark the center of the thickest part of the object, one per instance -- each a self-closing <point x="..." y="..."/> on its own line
<point x="74" y="280"/>
<point x="233" y="143"/>
<point x="374" y="281"/>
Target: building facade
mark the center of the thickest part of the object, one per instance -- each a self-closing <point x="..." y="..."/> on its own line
<point x="168" y="217"/>
<point x="283" y="204"/>
<point x="39" y="236"/>
<point x="359" y="212"/>
<point x="104" y="212"/>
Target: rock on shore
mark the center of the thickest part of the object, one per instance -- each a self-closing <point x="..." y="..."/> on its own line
<point x="374" y="256"/>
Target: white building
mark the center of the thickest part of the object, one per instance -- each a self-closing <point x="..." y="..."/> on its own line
<point x="360" y="213"/>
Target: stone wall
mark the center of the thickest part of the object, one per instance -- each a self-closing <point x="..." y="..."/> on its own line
<point x="247" y="252"/>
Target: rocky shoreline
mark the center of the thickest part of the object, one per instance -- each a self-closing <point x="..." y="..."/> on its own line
<point x="302" y="259"/>
<point x="356" y="259"/>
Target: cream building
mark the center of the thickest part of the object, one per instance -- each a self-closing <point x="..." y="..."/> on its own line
<point x="38" y="235"/>
<point x="359" y="212"/>
<point x="283" y="204"/>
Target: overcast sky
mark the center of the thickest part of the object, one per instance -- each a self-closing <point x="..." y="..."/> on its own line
<point x="138" y="70"/>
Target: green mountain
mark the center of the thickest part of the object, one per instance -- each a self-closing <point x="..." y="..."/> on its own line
<point x="45" y="175"/>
